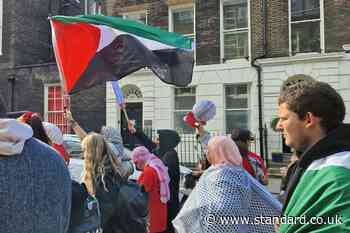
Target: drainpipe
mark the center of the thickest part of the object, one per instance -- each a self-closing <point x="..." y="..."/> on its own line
<point x="12" y="80"/>
<point x="259" y="85"/>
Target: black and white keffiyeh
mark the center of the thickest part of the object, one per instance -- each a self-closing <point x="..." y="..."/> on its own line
<point x="223" y="200"/>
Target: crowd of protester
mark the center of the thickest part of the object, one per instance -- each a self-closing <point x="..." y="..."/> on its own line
<point x="37" y="194"/>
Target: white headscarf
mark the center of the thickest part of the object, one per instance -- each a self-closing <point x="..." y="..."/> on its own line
<point x="54" y="133"/>
<point x="13" y="135"/>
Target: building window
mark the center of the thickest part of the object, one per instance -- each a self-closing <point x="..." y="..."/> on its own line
<point x="92" y="7"/>
<point x="140" y="16"/>
<point x="237" y="110"/>
<point x="234" y="29"/>
<point x="185" y="98"/>
<point x="56" y="103"/>
<point x="182" y="20"/>
<point x="305" y="26"/>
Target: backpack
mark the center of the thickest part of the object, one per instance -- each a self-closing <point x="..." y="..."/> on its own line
<point x="85" y="212"/>
<point x="132" y="209"/>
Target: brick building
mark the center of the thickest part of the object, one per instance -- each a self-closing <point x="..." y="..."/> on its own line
<point x="29" y="78"/>
<point x="283" y="37"/>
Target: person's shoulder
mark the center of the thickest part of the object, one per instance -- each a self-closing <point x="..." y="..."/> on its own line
<point x="43" y="154"/>
<point x="171" y="155"/>
<point x="149" y="170"/>
<point x="226" y="172"/>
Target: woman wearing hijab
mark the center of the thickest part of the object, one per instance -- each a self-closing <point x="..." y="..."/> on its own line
<point x="56" y="138"/>
<point x="115" y="143"/>
<point x="155" y="180"/>
<point x="226" y="190"/>
<point x="164" y="148"/>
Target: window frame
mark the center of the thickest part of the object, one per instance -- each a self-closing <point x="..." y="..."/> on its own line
<point x="182" y="110"/>
<point x="248" y="109"/>
<point x="176" y="8"/>
<point x="97" y="9"/>
<point x="46" y="106"/>
<point x="126" y="14"/>
<point x="223" y="31"/>
<point x="322" y="31"/>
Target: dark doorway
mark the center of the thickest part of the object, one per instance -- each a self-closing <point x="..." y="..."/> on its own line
<point x="134" y="111"/>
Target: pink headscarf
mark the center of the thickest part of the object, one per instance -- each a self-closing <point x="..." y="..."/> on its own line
<point x="142" y="154"/>
<point x="222" y="150"/>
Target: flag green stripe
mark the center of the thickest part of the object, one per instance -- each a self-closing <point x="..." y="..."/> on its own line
<point x="132" y="27"/>
<point x="323" y="192"/>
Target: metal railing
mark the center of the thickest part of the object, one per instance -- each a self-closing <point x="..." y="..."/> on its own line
<point x="189" y="150"/>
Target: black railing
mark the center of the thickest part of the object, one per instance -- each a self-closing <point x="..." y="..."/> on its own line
<point x="189" y="150"/>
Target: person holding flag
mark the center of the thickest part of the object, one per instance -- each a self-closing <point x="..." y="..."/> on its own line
<point x="114" y="140"/>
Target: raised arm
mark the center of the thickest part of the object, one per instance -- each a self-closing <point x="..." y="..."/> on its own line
<point x="75" y="126"/>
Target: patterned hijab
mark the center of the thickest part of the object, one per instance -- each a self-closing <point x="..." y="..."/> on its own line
<point x="222" y="150"/>
<point x="141" y="154"/>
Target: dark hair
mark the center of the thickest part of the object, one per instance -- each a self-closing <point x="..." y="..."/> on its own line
<point x="38" y="129"/>
<point x="319" y="98"/>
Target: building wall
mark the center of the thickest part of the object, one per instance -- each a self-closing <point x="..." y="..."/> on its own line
<point x="27" y="57"/>
<point x="333" y="69"/>
<point x="211" y="75"/>
<point x="210" y="80"/>
<point x="278" y="32"/>
<point x="337" y="24"/>
<point x="6" y="58"/>
<point x="207" y="32"/>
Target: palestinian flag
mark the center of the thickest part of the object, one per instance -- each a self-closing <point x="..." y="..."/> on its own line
<point x="321" y="199"/>
<point x="90" y="50"/>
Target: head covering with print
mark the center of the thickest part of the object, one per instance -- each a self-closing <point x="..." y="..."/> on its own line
<point x="113" y="136"/>
<point x="202" y="112"/>
<point x="142" y="154"/>
<point x="226" y="189"/>
<point x="53" y="132"/>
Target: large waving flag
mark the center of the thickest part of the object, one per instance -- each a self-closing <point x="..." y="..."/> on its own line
<point x="90" y="50"/>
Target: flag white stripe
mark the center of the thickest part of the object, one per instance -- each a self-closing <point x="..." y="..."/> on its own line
<point x="341" y="159"/>
<point x="108" y="35"/>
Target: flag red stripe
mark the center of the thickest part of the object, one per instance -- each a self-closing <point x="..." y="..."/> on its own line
<point x="76" y="45"/>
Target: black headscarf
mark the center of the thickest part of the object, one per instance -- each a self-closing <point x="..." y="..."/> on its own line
<point x="168" y="140"/>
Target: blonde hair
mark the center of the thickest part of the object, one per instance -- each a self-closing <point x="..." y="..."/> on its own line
<point x="97" y="155"/>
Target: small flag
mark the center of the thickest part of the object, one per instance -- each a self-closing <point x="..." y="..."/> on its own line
<point x="118" y="93"/>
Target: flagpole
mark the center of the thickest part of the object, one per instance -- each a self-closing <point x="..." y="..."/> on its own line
<point x="125" y="114"/>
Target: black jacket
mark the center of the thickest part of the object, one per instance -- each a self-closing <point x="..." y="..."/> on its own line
<point x="336" y="141"/>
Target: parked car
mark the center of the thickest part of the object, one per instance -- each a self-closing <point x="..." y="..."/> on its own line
<point x="72" y="144"/>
